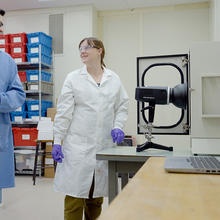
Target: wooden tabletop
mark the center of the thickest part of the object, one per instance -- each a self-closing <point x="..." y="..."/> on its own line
<point x="155" y="194"/>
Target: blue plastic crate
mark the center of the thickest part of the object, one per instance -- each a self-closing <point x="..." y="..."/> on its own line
<point x="33" y="105"/>
<point x="34" y="49"/>
<point x="36" y="113"/>
<point x="34" y="58"/>
<point x="40" y="37"/>
<point x="21" y="109"/>
<point x="49" y="104"/>
<point x="33" y="76"/>
<point x="17" y="116"/>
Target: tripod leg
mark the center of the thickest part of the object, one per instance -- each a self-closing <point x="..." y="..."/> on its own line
<point x="148" y="145"/>
<point x="161" y="147"/>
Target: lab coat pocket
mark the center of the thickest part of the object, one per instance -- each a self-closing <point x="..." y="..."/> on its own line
<point x="4" y="136"/>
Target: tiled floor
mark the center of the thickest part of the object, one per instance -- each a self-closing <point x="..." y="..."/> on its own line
<point x="28" y="202"/>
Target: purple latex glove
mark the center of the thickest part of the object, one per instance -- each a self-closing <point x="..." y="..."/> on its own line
<point x="117" y="135"/>
<point x="57" y="153"/>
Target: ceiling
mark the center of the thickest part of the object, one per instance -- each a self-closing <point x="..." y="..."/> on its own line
<point x="101" y="5"/>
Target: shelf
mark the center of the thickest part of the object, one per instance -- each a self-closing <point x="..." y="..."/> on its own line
<point x="34" y="92"/>
<point x="24" y="148"/>
<point x="22" y="124"/>
<point x="26" y="172"/>
<point x="29" y="65"/>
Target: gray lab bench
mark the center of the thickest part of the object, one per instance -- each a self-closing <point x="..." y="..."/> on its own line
<point x="126" y="160"/>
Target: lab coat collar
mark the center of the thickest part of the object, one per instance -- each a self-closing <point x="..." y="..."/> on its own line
<point x="106" y="74"/>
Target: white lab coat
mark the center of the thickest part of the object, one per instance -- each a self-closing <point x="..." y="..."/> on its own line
<point x="86" y="114"/>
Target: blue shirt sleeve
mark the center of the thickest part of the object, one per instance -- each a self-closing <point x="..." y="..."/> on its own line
<point x="12" y="94"/>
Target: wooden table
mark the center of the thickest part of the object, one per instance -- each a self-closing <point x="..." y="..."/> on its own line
<point x="155" y="194"/>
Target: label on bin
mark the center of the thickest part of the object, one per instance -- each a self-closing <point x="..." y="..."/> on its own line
<point x="2" y="41"/>
<point x="18" y="118"/>
<point x="34" y="50"/>
<point x="34" y="77"/>
<point x="34" y="60"/>
<point x="34" y="39"/>
<point x="48" y="161"/>
<point x="35" y="118"/>
<point x="34" y="107"/>
<point x="17" y="50"/>
<point x="18" y="60"/>
<point x="18" y="109"/>
<point x="2" y="49"/>
<point x="26" y="137"/>
<point x="17" y="39"/>
<point x="33" y="87"/>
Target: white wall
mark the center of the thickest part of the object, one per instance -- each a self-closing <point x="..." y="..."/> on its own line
<point x="215" y="20"/>
<point x="147" y="32"/>
<point x="79" y="22"/>
<point x="126" y="35"/>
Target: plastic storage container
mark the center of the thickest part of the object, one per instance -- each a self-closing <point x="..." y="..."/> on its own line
<point x="17" y="116"/>
<point x="24" y="160"/>
<point x="19" y="58"/>
<point x="33" y="76"/>
<point x="34" y="115"/>
<point x="5" y="48"/>
<point x="25" y="136"/>
<point x="22" y="108"/>
<point x="33" y="105"/>
<point x="22" y="75"/>
<point x="17" y="48"/>
<point x="4" y="39"/>
<point x="18" y="38"/>
<point x="40" y="37"/>
<point x="34" y="49"/>
<point x="34" y="58"/>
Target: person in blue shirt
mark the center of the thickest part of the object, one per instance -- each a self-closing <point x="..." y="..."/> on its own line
<point x="12" y="96"/>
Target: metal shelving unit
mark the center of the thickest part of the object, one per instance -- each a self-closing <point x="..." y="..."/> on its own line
<point x="39" y="89"/>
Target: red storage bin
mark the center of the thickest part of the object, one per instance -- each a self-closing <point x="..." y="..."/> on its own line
<point x="5" y="48"/>
<point x="17" y="48"/>
<point x="25" y="136"/>
<point x="22" y="76"/>
<point x="19" y="58"/>
<point x="18" y="38"/>
<point x="4" y="39"/>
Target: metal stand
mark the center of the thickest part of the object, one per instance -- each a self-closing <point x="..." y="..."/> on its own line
<point x="148" y="135"/>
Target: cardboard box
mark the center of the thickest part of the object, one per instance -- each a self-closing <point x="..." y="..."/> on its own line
<point x="51" y="112"/>
<point x="49" y="147"/>
<point x="49" y="172"/>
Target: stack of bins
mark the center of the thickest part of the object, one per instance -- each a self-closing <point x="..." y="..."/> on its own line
<point x="15" y="45"/>
<point x="19" y="114"/>
<point x="33" y="108"/>
<point x="37" y="42"/>
<point x="5" y="43"/>
<point x="18" y="47"/>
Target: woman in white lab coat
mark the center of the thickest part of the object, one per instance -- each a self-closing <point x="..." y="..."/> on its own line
<point x="91" y="112"/>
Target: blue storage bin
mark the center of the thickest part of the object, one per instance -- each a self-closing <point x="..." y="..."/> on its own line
<point x="34" y="58"/>
<point x="21" y="109"/>
<point x="17" y="116"/>
<point x="33" y="105"/>
<point x="34" y="49"/>
<point x="33" y="76"/>
<point x="49" y="104"/>
<point x="36" y="113"/>
<point x="47" y="76"/>
<point x="39" y="37"/>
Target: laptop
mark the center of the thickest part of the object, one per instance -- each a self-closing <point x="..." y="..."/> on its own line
<point x="193" y="164"/>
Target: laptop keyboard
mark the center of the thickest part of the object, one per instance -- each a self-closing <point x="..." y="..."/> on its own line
<point x="204" y="162"/>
